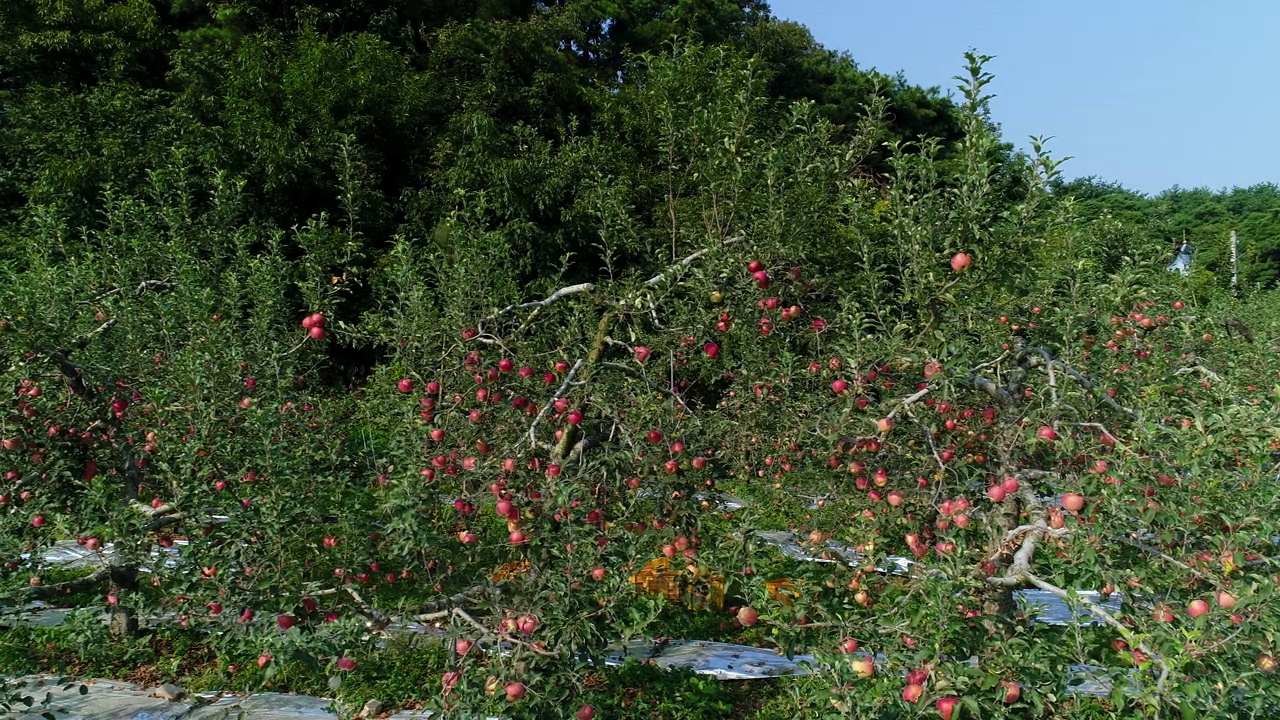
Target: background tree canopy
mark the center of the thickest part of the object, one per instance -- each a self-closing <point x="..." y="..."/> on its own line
<point x="386" y="113"/>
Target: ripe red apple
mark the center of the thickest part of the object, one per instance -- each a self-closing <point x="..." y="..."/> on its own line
<point x="515" y="691"/>
<point x="839" y="387"/>
<point x="1197" y="608"/>
<point x="755" y="266"/>
<point x="1177" y="305"/>
<point x="1073" y="502"/>
<point x="712" y="350"/>
<point x="642" y="354"/>
<point x="586" y="712"/>
<point x="1010" y="485"/>
<point x="316" y="332"/>
<point x="263" y="659"/>
<point x="654" y="436"/>
<point x="848" y="645"/>
<point x="527" y="624"/>
<point x="1046" y="433"/>
<point x="762" y="279"/>
<point x="517" y="537"/>
<point x="286" y="621"/>
<point x="1012" y="691"/>
<point x="996" y="493"/>
<point x="911" y="693"/>
<point x="405" y="385"/>
<point x="37" y="521"/>
<point x="574" y="417"/>
<point x="961" y="262"/>
<point x="884" y="425"/>
<point x="748" y="616"/>
<point x="346" y="664"/>
<point x="946" y="707"/>
<point x="1226" y="600"/>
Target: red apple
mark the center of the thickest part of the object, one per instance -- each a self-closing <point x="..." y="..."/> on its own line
<point x="405" y="385"/>
<point x="346" y="664"/>
<point x="961" y="262"/>
<point x="946" y="707"/>
<point x="865" y="667"/>
<point x="1226" y="600"/>
<point x="1073" y="502"/>
<point x="996" y="493"/>
<point x="286" y="621"/>
<point x="515" y="691"/>
<point x="263" y="659"/>
<point x="1197" y="608"/>
<point x="848" y="645"/>
<point x="1046" y="433"/>
<point x="762" y="279"/>
<point x="748" y="616"/>
<point x="1012" y="691"/>
<point x="884" y="425"/>
<point x="911" y="693"/>
<point x="586" y="712"/>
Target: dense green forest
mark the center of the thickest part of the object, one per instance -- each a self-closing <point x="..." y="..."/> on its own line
<point x="384" y="111"/>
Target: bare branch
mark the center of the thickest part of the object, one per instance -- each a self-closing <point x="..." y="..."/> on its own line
<point x="564" y="389"/>
<point x="377" y="620"/>
<point x="41" y="592"/>
<point x="558" y="294"/>
<point x="997" y="393"/>
<point x="1080" y="378"/>
<point x="144" y="286"/>
<point x="1152" y="550"/>
<point x="686" y="262"/>
<point x="632" y="372"/>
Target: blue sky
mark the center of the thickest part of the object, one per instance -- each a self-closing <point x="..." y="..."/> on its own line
<point x="1147" y="93"/>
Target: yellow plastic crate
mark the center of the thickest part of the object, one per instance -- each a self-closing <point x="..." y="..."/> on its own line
<point x="657" y="578"/>
<point x="510" y="571"/>
<point x="784" y="590"/>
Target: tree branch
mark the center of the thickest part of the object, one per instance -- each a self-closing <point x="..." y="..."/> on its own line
<point x="632" y="372"/>
<point x="42" y="592"/>
<point x="564" y="389"/>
